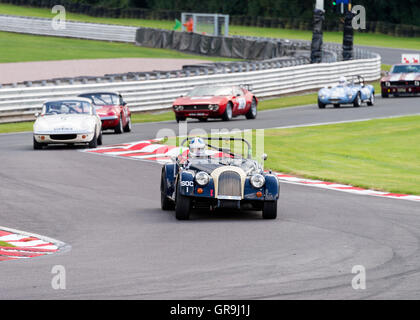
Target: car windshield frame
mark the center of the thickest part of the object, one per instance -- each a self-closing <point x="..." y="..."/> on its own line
<point x="210" y="91"/>
<point x="408" y="68"/>
<point x="65" y="107"/>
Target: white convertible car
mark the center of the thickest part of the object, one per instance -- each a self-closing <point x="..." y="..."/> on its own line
<point x="67" y="121"/>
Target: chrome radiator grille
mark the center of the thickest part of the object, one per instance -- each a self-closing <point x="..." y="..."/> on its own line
<point x="229" y="184"/>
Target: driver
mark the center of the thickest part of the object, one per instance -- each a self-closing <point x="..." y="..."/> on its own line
<point x="342" y="82"/>
<point x="197" y="148"/>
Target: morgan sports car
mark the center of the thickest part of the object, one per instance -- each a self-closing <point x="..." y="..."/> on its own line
<point x="354" y="92"/>
<point x="217" y="178"/>
<point x="403" y="79"/>
<point x="223" y="102"/>
<point x="112" y="109"/>
<point x="67" y="121"/>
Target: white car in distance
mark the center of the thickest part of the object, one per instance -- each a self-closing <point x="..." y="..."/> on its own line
<point x="67" y="121"/>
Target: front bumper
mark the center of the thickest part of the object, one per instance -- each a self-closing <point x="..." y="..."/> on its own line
<point x="63" y="138"/>
<point x="402" y="90"/>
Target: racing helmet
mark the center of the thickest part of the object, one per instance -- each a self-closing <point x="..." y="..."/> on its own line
<point x="342" y="81"/>
<point x="197" y="147"/>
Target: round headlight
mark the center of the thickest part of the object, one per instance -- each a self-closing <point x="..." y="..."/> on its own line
<point x="257" y="180"/>
<point x="416" y="83"/>
<point x="388" y="84"/>
<point x="202" y="178"/>
<point x="213" y="107"/>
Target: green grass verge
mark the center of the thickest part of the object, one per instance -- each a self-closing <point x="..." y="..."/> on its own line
<point x="5" y="244"/>
<point x="378" y="154"/>
<point x="367" y="39"/>
<point x="16" y="47"/>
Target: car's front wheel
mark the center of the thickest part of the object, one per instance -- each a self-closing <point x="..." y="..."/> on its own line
<point x="182" y="205"/>
<point x="37" y="145"/>
<point x="94" y="142"/>
<point x="100" y="139"/>
<point x="165" y="202"/>
<point x="321" y="105"/>
<point x="357" y="101"/>
<point x="227" y="115"/>
<point x="270" y="210"/>
<point x="384" y="95"/>
<point x="179" y="119"/>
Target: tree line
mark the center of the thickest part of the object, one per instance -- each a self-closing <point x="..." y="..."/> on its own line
<point x="392" y="11"/>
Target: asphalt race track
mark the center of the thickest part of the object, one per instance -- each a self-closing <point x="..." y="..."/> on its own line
<point x="389" y="55"/>
<point x="124" y="246"/>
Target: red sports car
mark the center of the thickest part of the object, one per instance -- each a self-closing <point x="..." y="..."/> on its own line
<point x="112" y="109"/>
<point x="403" y="79"/>
<point x="223" y="102"/>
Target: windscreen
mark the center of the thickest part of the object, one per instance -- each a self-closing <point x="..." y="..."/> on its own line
<point x="413" y="68"/>
<point x="210" y="91"/>
<point x="67" y="107"/>
<point x="102" y="99"/>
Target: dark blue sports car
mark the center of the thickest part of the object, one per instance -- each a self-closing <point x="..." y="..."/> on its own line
<point x="217" y="178"/>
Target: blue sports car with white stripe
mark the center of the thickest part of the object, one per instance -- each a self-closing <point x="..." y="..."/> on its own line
<point x="354" y="92"/>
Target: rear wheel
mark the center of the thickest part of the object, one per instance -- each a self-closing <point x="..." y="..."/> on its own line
<point x="119" y="128"/>
<point x="321" y="105"/>
<point x="270" y="210"/>
<point x="165" y="202"/>
<point x="357" y="101"/>
<point x="371" y="101"/>
<point x="227" y="115"/>
<point x="127" y="127"/>
<point x="37" y="145"/>
<point x="182" y="205"/>
<point x="252" y="113"/>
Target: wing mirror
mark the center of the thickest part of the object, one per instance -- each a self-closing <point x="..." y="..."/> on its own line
<point x="264" y="156"/>
<point x="124" y="103"/>
<point x="37" y="114"/>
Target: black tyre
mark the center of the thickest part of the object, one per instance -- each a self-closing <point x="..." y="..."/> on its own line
<point x="321" y="105"/>
<point x="384" y="95"/>
<point x="228" y="114"/>
<point x="94" y="142"/>
<point x="100" y="139"/>
<point x="252" y="113"/>
<point x="336" y="105"/>
<point x="119" y="128"/>
<point x="182" y="206"/>
<point x="270" y="210"/>
<point x="371" y="101"/>
<point x="37" y="145"/>
<point x="127" y="127"/>
<point x="178" y="119"/>
<point x="357" y="101"/>
<point x="165" y="202"/>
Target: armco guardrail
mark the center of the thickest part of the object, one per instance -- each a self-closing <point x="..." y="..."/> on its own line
<point x="144" y="95"/>
<point x="92" y="31"/>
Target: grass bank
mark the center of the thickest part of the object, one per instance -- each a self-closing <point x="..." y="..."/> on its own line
<point x="368" y="39"/>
